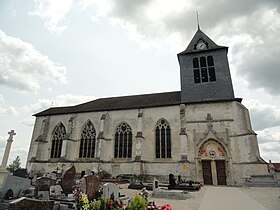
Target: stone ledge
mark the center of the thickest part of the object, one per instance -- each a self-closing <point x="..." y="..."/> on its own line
<point x="171" y="194"/>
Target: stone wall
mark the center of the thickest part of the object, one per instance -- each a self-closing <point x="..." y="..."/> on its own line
<point x="226" y="122"/>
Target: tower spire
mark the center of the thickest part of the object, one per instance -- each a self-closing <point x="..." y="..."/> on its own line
<point x="197" y="20"/>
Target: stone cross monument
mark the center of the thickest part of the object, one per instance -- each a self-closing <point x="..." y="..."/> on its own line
<point x="3" y="170"/>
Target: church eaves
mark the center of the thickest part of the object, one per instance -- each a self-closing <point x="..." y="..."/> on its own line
<point x="124" y="103"/>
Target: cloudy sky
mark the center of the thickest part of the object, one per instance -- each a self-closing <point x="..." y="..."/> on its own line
<point x="57" y="53"/>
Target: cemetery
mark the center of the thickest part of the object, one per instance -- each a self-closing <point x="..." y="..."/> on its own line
<point x="91" y="190"/>
<point x="97" y="189"/>
<point x="69" y="190"/>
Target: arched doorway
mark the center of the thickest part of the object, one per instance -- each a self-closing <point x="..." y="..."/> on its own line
<point x="213" y="155"/>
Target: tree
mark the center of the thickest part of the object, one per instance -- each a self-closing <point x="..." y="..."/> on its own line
<point x="14" y="165"/>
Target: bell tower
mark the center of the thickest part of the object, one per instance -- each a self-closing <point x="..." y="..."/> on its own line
<point x="204" y="70"/>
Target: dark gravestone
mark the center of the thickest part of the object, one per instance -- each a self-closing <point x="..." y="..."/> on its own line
<point x="83" y="173"/>
<point x="172" y="180"/>
<point x="179" y="179"/>
<point x="68" y="180"/>
<point x="90" y="185"/>
<point x="20" y="172"/>
<point x="44" y="183"/>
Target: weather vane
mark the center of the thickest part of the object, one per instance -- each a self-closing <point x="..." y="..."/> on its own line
<point x="197" y="20"/>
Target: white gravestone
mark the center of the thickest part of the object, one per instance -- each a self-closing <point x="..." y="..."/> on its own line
<point x="155" y="184"/>
<point x="109" y="189"/>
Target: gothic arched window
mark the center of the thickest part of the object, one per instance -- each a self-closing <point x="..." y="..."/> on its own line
<point x="203" y="69"/>
<point x="123" y="141"/>
<point x="163" y="140"/>
<point x="57" y="139"/>
<point x="88" y="139"/>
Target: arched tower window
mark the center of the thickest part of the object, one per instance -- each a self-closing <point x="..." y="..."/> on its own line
<point x="123" y="141"/>
<point x="88" y="139"/>
<point x="163" y="140"/>
<point x="204" y="69"/>
<point x="57" y="139"/>
<point x="211" y="68"/>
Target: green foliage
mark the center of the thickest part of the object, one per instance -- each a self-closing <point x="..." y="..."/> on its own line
<point x="137" y="202"/>
<point x="96" y="204"/>
<point x="101" y="203"/>
<point x="85" y="202"/>
<point x="14" y="165"/>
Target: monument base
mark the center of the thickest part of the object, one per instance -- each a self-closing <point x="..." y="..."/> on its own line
<point x="3" y="175"/>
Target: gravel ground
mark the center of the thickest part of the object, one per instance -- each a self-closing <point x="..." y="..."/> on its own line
<point x="267" y="197"/>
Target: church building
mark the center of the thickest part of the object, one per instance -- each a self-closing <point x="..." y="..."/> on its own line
<point x="202" y="132"/>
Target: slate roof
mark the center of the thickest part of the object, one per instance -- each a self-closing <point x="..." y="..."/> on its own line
<point x="125" y="102"/>
<point x="200" y="35"/>
<point x="119" y="103"/>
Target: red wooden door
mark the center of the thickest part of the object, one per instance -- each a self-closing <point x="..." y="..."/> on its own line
<point x="206" y="170"/>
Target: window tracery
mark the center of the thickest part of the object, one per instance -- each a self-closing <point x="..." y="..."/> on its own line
<point x="163" y="140"/>
<point x="88" y="140"/>
<point x="57" y="139"/>
<point x="123" y="141"/>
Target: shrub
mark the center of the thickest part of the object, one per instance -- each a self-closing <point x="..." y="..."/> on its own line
<point x="137" y="202"/>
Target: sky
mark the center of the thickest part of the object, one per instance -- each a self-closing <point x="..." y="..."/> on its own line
<point x="66" y="52"/>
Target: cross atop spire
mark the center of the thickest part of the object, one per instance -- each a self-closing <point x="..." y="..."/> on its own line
<point x="197" y="19"/>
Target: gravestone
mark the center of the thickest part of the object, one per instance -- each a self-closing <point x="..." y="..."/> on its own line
<point x="179" y="179"/>
<point x="155" y="184"/>
<point x="90" y="185"/>
<point x="20" y="172"/>
<point x="56" y="190"/>
<point x="42" y="187"/>
<point x="63" y="207"/>
<point x="44" y="183"/>
<point x="110" y="189"/>
<point x="44" y="195"/>
<point x="52" y="175"/>
<point x="172" y="180"/>
<point x="68" y="180"/>
<point x="15" y="185"/>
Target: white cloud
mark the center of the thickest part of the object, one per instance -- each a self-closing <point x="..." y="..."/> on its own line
<point x="269" y="144"/>
<point x="6" y="111"/>
<point x="69" y="100"/>
<point x="28" y="122"/>
<point x="52" y="12"/>
<point x="3" y="140"/>
<point x="263" y="115"/>
<point x="23" y="67"/>
<point x="162" y="22"/>
<point x="60" y="100"/>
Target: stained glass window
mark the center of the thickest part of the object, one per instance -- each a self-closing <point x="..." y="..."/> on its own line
<point x="123" y="141"/>
<point x="57" y="139"/>
<point x="163" y="140"/>
<point x="88" y="140"/>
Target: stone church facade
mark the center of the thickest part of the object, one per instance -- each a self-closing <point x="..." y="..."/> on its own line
<point x="202" y="132"/>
